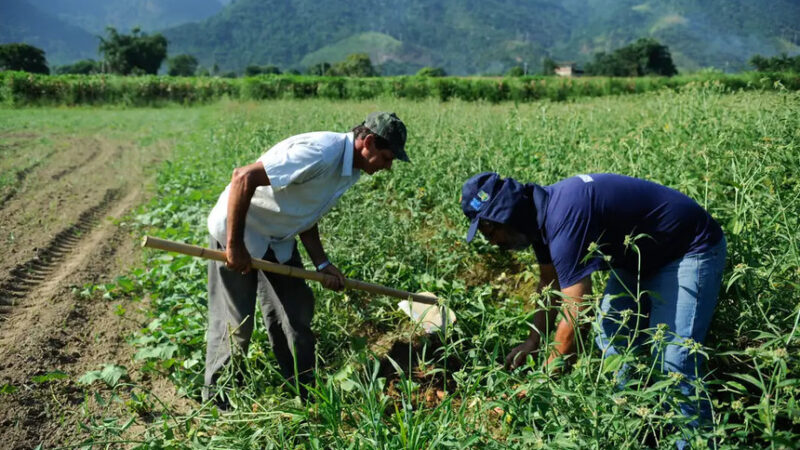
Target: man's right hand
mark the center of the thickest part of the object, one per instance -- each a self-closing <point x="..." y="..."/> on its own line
<point x="519" y="354"/>
<point x="237" y="258"/>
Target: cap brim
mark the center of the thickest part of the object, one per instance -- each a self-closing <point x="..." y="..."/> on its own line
<point x="473" y="228"/>
<point x="400" y="153"/>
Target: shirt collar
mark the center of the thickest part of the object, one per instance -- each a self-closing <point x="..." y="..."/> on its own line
<point x="347" y="160"/>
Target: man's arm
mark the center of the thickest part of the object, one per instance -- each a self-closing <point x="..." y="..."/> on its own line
<point x="543" y="321"/>
<point x="244" y="182"/>
<point x="313" y="245"/>
<point x="571" y="307"/>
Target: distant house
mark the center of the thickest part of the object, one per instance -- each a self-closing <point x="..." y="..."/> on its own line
<point x="568" y="70"/>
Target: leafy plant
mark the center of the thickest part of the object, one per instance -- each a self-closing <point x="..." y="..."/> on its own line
<point x="728" y="144"/>
<point x="110" y="374"/>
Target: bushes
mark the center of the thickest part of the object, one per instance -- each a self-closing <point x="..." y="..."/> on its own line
<point x="21" y="89"/>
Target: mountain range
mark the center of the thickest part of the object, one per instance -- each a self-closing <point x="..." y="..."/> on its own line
<point x="461" y="36"/>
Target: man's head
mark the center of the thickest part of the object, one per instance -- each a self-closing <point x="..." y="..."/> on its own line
<point x="503" y="236"/>
<point x="379" y="140"/>
<point x="500" y="208"/>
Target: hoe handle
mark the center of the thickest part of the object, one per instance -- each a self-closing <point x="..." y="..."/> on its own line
<point x="282" y="269"/>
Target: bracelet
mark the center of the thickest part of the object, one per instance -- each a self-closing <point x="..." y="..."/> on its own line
<point x="323" y="265"/>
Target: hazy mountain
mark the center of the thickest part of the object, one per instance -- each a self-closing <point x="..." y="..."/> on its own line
<point x="96" y="15"/>
<point x="709" y="33"/>
<point x="471" y="36"/>
<point x="465" y="36"/>
<point x="62" y="42"/>
<point x="462" y="36"/>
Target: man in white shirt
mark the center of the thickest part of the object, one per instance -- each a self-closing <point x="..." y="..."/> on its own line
<point x="267" y="204"/>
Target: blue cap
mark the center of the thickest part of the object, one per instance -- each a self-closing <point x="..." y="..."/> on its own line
<point x="487" y="196"/>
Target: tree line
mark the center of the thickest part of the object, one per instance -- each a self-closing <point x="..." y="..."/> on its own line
<point x="645" y="57"/>
<point x="780" y="63"/>
<point x="139" y="53"/>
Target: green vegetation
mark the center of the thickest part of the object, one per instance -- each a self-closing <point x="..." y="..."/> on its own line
<point x="21" y="89"/>
<point x="319" y="69"/>
<point x="431" y="72"/>
<point x="251" y="71"/>
<point x="516" y="71"/>
<point x="642" y="58"/>
<point x="736" y="154"/>
<point x="82" y="67"/>
<point x="63" y="43"/>
<point x="23" y="57"/>
<point x="392" y="54"/>
<point x="182" y="66"/>
<point x="136" y="53"/>
<point x="548" y="66"/>
<point x="467" y="38"/>
<point x="95" y="15"/>
<point x="464" y="38"/>
<point x="355" y="65"/>
<point x="782" y="63"/>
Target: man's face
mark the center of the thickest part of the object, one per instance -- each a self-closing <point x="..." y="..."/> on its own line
<point x="373" y="158"/>
<point x="503" y="236"/>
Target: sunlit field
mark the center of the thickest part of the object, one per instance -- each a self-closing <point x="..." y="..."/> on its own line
<point x="379" y="382"/>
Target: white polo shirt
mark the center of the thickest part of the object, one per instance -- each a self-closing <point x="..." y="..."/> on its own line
<point x="307" y="173"/>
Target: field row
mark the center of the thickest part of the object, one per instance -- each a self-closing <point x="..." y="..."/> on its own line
<point x="735" y="154"/>
<point x="23" y="89"/>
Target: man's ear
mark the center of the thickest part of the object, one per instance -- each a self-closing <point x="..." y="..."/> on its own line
<point x="369" y="141"/>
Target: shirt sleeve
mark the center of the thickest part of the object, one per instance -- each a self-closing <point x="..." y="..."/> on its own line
<point x="569" y="248"/>
<point x="542" y="253"/>
<point x="295" y="163"/>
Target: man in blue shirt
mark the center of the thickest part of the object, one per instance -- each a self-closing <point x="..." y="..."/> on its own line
<point x="653" y="239"/>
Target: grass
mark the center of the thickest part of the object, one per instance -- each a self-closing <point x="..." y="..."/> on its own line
<point x="736" y="154"/>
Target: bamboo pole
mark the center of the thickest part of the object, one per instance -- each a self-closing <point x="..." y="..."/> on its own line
<point x="282" y="269"/>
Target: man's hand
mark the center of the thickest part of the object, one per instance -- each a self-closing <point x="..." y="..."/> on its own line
<point x="519" y="354"/>
<point x="335" y="280"/>
<point x="238" y="259"/>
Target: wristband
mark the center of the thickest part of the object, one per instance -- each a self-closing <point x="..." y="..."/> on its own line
<point x="323" y="265"/>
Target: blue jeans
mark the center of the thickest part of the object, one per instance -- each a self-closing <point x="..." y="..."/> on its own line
<point x="682" y="296"/>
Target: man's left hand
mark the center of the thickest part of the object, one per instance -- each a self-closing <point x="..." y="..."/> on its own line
<point x="335" y="279"/>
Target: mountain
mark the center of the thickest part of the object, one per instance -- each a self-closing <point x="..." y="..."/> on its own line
<point x="461" y="36"/>
<point x="712" y="33"/>
<point x="22" y="22"/>
<point x="472" y="36"/>
<point x="150" y="15"/>
<point x="464" y="36"/>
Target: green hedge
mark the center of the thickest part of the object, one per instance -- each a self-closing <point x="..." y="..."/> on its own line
<point x="23" y="89"/>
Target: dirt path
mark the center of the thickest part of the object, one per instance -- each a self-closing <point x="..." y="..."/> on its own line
<point x="59" y="231"/>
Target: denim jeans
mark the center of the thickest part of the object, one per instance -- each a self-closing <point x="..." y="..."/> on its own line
<point x="682" y="296"/>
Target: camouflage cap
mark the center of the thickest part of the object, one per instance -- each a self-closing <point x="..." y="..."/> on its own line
<point x="388" y="126"/>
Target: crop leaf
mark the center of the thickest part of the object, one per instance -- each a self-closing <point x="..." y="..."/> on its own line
<point x="50" y="376"/>
<point x="110" y="374"/>
<point x="162" y="352"/>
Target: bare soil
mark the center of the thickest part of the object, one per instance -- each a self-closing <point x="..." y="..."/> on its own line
<point x="61" y="228"/>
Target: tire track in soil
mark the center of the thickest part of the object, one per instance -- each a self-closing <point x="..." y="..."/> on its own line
<point x="28" y="275"/>
<point x="21" y="175"/>
<point x="69" y="170"/>
<point x="57" y="245"/>
<point x="54" y="329"/>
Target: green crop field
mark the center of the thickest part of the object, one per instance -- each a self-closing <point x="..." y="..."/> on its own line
<point x="737" y="154"/>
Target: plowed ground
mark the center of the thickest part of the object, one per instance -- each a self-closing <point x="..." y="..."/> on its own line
<point x="62" y="210"/>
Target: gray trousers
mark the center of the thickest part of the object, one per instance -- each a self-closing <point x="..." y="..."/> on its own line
<point x="287" y="306"/>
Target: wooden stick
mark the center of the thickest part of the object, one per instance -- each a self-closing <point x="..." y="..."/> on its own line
<point x="282" y="269"/>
